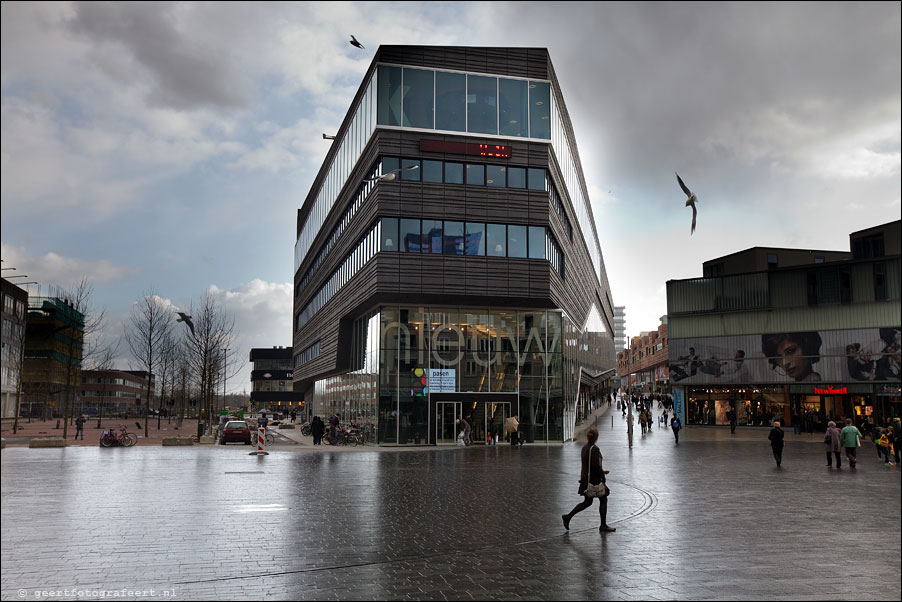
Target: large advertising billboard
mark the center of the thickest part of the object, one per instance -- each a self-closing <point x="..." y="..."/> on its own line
<point x="862" y="355"/>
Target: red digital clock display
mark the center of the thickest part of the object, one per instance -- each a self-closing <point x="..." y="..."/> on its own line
<point x="496" y="151"/>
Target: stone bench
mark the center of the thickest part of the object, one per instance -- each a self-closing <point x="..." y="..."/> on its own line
<point x="178" y="441"/>
<point x="41" y="442"/>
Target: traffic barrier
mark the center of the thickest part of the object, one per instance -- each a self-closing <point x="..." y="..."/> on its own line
<point x="261" y="443"/>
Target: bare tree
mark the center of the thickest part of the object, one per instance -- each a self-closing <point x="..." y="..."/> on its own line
<point x="210" y="347"/>
<point x="105" y="359"/>
<point x="80" y="329"/>
<point x="16" y="359"/>
<point x="146" y="333"/>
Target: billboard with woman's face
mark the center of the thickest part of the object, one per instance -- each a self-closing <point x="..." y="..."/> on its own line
<point x="866" y="355"/>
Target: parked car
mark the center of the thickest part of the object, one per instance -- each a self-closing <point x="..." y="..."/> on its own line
<point x="235" y="431"/>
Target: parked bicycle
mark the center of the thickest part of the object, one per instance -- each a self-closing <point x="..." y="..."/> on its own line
<point x="121" y="437"/>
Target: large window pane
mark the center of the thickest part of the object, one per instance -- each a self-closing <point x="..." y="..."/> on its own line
<point x="536" y="178"/>
<point x="475" y="239"/>
<point x="495" y="176"/>
<point x="418" y="96"/>
<point x="388" y="107"/>
<point x="432" y="236"/>
<point x="496" y="240"/>
<point x="540" y="110"/>
<point x="516" y="177"/>
<point x="432" y="171"/>
<point x="410" y="236"/>
<point x="482" y="104"/>
<point x="513" y="103"/>
<point x="536" y="242"/>
<point x="475" y="174"/>
<point x="390" y="164"/>
<point x="389" y="240"/>
<point x="454" y="173"/>
<point x="451" y="101"/>
<point x="412" y="175"/>
<point x="516" y="241"/>
<point x="454" y="238"/>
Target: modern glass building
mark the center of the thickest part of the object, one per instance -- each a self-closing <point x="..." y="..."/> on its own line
<point x="447" y="262"/>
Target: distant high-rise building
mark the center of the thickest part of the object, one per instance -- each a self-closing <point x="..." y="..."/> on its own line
<point x="620" y="327"/>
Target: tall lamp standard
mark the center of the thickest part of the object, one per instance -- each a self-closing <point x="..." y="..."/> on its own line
<point x="21" y="363"/>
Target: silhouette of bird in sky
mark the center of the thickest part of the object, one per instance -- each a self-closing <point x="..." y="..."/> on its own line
<point x="691" y="201"/>
<point x="354" y="42"/>
<point x="183" y="317"/>
<point x="388" y="177"/>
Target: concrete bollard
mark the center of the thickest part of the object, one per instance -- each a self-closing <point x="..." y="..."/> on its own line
<point x="42" y="442"/>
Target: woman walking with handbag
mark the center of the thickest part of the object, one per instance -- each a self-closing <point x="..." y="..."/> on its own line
<point x="592" y="483"/>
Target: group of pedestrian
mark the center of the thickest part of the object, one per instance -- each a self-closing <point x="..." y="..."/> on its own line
<point x="847" y="439"/>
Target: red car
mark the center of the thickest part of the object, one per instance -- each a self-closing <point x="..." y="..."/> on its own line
<point x="235" y="431"/>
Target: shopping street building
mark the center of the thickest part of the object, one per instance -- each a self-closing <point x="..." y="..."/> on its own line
<point x="467" y="280"/>
<point x="781" y="333"/>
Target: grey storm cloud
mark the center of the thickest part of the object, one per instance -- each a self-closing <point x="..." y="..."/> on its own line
<point x="186" y="74"/>
<point x="662" y="82"/>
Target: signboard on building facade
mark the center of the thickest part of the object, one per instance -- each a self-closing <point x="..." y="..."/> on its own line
<point x="442" y="380"/>
<point x="840" y="356"/>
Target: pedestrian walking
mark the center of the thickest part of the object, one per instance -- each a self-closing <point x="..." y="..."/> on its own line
<point x="676" y="426"/>
<point x="591" y="473"/>
<point x="776" y="442"/>
<point x="897" y="435"/>
<point x="511" y="425"/>
<point x="850" y="439"/>
<point x="643" y="420"/>
<point x="493" y="432"/>
<point x="882" y="443"/>
<point x="832" y="445"/>
<point x="80" y="426"/>
<point x="731" y="415"/>
<point x="294" y="416"/>
<point x="317" y="428"/>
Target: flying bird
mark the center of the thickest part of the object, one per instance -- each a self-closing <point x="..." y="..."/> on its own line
<point x="183" y="317"/>
<point x="354" y="42"/>
<point x="388" y="177"/>
<point x="691" y="201"/>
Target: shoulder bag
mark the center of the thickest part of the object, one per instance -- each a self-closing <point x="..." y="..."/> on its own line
<point x="600" y="490"/>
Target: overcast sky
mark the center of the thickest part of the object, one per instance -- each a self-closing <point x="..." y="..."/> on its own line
<point x="168" y="146"/>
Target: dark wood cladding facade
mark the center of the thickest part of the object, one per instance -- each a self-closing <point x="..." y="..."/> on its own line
<point x="441" y="280"/>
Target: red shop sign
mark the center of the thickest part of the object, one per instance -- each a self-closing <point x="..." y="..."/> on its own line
<point x="830" y="390"/>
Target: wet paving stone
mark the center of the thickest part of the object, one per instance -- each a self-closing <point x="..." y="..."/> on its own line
<point x="710" y="519"/>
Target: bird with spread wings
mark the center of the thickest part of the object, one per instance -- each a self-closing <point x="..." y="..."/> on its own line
<point x="391" y="175"/>
<point x="183" y="317"/>
<point x="690" y="201"/>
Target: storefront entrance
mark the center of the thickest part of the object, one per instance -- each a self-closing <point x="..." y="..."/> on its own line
<point x="447" y="413"/>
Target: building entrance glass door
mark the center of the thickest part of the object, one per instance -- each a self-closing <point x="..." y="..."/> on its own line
<point x="495" y="413"/>
<point x="446" y="416"/>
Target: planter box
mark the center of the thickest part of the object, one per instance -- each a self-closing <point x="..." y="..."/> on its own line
<point x="39" y="442"/>
<point x="178" y="441"/>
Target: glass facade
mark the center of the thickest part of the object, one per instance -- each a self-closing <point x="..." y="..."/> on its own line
<point x="404" y="356"/>
<point x="350" y="146"/>
<point x="413" y="97"/>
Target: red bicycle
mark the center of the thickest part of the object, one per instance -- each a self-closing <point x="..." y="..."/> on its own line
<point x="121" y="437"/>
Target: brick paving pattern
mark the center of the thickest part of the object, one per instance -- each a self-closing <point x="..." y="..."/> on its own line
<point x="712" y="518"/>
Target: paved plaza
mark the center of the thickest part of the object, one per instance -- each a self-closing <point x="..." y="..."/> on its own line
<point x="712" y="518"/>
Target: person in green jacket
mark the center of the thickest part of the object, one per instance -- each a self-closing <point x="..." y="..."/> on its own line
<point x="849" y="437"/>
